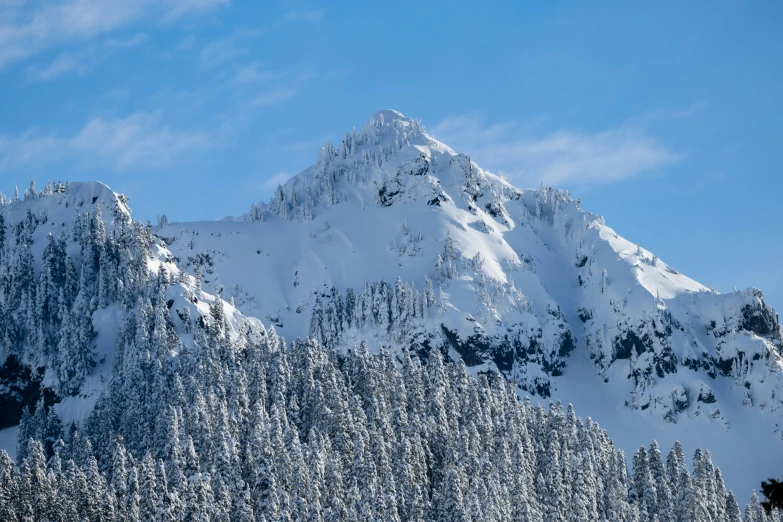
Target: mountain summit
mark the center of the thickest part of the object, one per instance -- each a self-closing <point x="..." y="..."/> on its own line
<point x="394" y="239"/>
<point x="527" y="276"/>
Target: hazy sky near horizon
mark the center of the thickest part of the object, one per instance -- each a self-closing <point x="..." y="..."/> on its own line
<point x="665" y="118"/>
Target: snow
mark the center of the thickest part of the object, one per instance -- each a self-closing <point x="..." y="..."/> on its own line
<point x="57" y="212"/>
<point x="76" y="409"/>
<point x="275" y="268"/>
<point x="747" y="450"/>
<point x="547" y="265"/>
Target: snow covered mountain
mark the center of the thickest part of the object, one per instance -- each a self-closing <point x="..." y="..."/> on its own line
<point x="394" y="239"/>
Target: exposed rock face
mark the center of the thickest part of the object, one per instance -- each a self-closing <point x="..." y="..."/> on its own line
<point x="19" y="387"/>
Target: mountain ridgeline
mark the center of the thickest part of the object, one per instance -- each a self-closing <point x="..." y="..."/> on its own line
<point x="543" y="275"/>
<point x="62" y="268"/>
<point x="146" y="374"/>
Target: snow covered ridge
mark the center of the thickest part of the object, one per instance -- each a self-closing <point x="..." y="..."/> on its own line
<point x="391" y="154"/>
<point x="526" y="277"/>
<point x="523" y="281"/>
<point x="394" y="239"/>
<point x="63" y="271"/>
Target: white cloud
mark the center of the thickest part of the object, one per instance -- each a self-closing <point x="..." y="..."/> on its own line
<point x="266" y="88"/>
<point x="560" y="158"/>
<point x="139" y="141"/>
<point x="273" y="97"/>
<point x="82" y="61"/>
<point x="232" y="46"/>
<point x="667" y="114"/>
<point x="272" y="182"/>
<point x="62" y="64"/>
<point x="26" y="31"/>
<point x="187" y="43"/>
<point x="305" y="15"/>
<point x="178" y="8"/>
<point x="253" y="73"/>
<point x="126" y="43"/>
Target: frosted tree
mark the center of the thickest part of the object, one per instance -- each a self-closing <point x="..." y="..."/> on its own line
<point x="675" y="467"/>
<point x="8" y="477"/>
<point x="74" y="358"/>
<point x="439" y="271"/>
<point x="754" y="512"/>
<point x="732" y="509"/>
<point x="249" y="427"/>
<point x="307" y="207"/>
<point x="660" y="481"/>
<point x="197" y="281"/>
<point x="2" y="237"/>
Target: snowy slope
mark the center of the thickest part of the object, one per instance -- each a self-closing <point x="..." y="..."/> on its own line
<point x="53" y="211"/>
<point x="555" y="300"/>
<point x="434" y="252"/>
<point x="56" y="211"/>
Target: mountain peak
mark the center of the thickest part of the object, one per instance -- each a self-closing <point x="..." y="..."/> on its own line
<point x="62" y="201"/>
<point x="387" y="128"/>
<point x="389" y="116"/>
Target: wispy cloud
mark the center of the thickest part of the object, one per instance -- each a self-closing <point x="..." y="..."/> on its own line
<point x="273" y="181"/>
<point x="62" y="64"/>
<point x="265" y="88"/>
<point x="305" y="15"/>
<point x="232" y="46"/>
<point x="27" y="29"/>
<point x="696" y="185"/>
<point x="139" y="141"/>
<point x="273" y="97"/>
<point x="253" y="73"/>
<point x="82" y="61"/>
<point x="668" y="114"/>
<point x="560" y="158"/>
<point x="133" y="41"/>
<point x="174" y="9"/>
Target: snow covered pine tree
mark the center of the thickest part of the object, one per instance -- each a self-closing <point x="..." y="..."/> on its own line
<point x="203" y="414"/>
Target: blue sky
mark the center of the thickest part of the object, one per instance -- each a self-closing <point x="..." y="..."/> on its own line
<point x="667" y="119"/>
